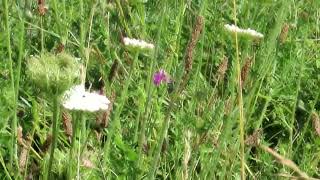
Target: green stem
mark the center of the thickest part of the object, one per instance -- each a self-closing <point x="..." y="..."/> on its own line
<point x="240" y="99"/>
<point x="116" y="122"/>
<point x="13" y="148"/>
<point x="149" y="90"/>
<point x="75" y="129"/>
<point x="55" y="121"/>
<point x="163" y="133"/>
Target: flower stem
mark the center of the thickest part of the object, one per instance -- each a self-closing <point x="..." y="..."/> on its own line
<point x="115" y="126"/>
<point x="240" y="100"/>
<point x="13" y="149"/>
<point x="75" y="124"/>
<point x="55" y="121"/>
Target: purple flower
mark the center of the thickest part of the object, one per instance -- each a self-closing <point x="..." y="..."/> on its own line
<point x="160" y="76"/>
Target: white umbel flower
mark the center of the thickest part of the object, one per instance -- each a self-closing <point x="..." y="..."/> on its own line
<point x="137" y="43"/>
<point x="77" y="98"/>
<point x="249" y="32"/>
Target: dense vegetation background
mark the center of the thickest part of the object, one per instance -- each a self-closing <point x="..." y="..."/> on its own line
<point x="186" y="129"/>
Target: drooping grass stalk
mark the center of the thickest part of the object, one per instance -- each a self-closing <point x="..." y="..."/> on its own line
<point x="13" y="149"/>
<point x="55" y="121"/>
<point x="115" y="124"/>
<point x="240" y="100"/>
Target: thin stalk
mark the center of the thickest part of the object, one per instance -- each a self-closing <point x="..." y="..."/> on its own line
<point x="163" y="133"/>
<point x="83" y="132"/>
<point x="116" y="122"/>
<point x="55" y="134"/>
<point x="75" y="124"/>
<point x="149" y="91"/>
<point x="13" y="149"/>
<point x="35" y="117"/>
<point x="4" y="167"/>
<point x="240" y="100"/>
<point x="41" y="34"/>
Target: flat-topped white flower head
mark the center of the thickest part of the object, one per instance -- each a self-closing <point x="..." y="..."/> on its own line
<point x="249" y="32"/>
<point x="77" y="98"/>
<point x="137" y="43"/>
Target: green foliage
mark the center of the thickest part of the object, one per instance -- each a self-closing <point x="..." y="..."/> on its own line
<point x="280" y="94"/>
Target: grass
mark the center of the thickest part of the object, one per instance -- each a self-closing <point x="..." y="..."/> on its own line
<point x="236" y="108"/>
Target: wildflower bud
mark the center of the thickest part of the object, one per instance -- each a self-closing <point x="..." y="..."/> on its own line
<point x="53" y="73"/>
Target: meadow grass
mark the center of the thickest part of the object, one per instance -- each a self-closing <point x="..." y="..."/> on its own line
<point x="236" y="107"/>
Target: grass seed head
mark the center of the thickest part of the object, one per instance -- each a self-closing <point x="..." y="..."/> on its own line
<point x="316" y="122"/>
<point x="284" y="33"/>
<point x="245" y="70"/>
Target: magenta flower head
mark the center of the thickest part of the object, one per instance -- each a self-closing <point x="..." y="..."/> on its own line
<point x="159" y="77"/>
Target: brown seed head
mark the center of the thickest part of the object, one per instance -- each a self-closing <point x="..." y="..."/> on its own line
<point x="284" y="33"/>
<point x="67" y="124"/>
<point x="316" y="122"/>
<point x="222" y="67"/>
<point x="245" y="70"/>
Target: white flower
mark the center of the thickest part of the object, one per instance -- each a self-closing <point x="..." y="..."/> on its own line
<point x="249" y="32"/>
<point x="136" y="43"/>
<point x="77" y="98"/>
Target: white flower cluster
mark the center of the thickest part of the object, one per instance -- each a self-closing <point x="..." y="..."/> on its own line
<point x="77" y="98"/>
<point x="136" y="43"/>
<point x="249" y="32"/>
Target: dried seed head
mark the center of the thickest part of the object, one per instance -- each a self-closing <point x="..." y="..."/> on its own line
<point x="87" y="163"/>
<point x="254" y="139"/>
<point x="67" y="124"/>
<point x="228" y="106"/>
<point x="189" y="52"/>
<point x="23" y="158"/>
<point x="284" y="33"/>
<point x="102" y="120"/>
<point x="192" y="43"/>
<point x="222" y="68"/>
<point x="60" y="48"/>
<point x="47" y="143"/>
<point x="42" y="8"/>
<point x="187" y="154"/>
<point x="24" y="154"/>
<point x="20" y="136"/>
<point x="245" y="70"/>
<point x="316" y="122"/>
